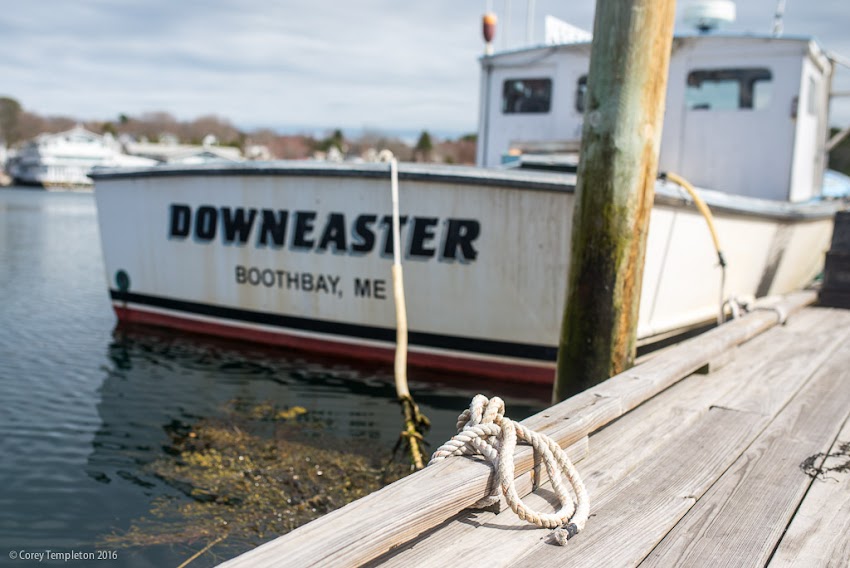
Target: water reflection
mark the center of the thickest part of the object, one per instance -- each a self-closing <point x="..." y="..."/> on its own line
<point x="161" y="380"/>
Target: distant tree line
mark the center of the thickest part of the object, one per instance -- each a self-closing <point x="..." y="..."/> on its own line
<point x="18" y="125"/>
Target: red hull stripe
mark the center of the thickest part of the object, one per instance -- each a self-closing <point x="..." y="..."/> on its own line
<point x="525" y="353"/>
<point x="533" y="372"/>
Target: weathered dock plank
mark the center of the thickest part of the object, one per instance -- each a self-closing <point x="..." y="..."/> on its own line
<point x="632" y="517"/>
<point x="618" y="450"/>
<point x="504" y="540"/>
<point x="766" y="394"/>
<point x="819" y="534"/>
<point x="740" y="521"/>
<point x="411" y="506"/>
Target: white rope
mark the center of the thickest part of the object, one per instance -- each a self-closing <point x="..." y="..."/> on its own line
<point x="483" y="429"/>
<point x="737" y="307"/>
<point x="398" y="286"/>
<point x="781" y="313"/>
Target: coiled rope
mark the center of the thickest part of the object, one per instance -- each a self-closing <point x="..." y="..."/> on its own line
<point x="483" y="429"/>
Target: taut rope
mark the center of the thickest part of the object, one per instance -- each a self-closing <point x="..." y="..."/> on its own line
<point x="483" y="429"/>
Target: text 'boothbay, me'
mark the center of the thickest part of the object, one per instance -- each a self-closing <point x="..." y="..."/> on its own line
<point x="427" y="237"/>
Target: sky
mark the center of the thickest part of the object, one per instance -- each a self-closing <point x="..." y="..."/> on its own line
<point x="388" y="65"/>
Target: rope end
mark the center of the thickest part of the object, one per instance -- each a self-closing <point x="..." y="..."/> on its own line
<point x="565" y="533"/>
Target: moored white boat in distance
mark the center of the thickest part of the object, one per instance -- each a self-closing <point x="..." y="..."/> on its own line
<point x="299" y="254"/>
<point x="65" y="159"/>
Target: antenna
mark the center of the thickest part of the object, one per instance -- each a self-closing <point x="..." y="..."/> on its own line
<point x="707" y="15"/>
<point x="507" y="43"/>
<point x="777" y="18"/>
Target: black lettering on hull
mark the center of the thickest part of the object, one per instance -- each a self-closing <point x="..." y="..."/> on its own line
<point x="333" y="233"/>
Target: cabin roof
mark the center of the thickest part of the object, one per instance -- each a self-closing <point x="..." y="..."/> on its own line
<point x="689" y="36"/>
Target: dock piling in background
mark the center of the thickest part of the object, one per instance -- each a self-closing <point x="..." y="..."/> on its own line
<point x="835" y="292"/>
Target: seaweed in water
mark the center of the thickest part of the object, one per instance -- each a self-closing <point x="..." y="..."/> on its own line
<point x="257" y="473"/>
<point x="814" y="471"/>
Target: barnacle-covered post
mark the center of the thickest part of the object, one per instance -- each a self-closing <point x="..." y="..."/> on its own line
<point x="616" y="175"/>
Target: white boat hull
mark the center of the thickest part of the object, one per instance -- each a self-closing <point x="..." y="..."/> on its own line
<point x="485" y="259"/>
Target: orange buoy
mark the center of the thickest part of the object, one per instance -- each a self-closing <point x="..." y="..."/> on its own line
<point x="489" y="27"/>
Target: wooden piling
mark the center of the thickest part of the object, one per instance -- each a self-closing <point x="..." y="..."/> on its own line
<point x="619" y="158"/>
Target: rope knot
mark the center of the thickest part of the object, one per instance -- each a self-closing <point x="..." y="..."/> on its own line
<point x="481" y="411"/>
<point x="484" y="430"/>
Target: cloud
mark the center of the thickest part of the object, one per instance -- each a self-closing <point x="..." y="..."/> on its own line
<point x="385" y="63"/>
<point x="288" y="62"/>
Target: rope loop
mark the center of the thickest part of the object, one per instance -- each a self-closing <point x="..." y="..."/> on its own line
<point x="737" y="307"/>
<point x="781" y="314"/>
<point x="484" y="430"/>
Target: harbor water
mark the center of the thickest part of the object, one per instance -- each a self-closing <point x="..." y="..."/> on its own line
<point x="88" y="407"/>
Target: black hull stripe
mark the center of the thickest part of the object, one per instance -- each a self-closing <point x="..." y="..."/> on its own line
<point x="415" y="338"/>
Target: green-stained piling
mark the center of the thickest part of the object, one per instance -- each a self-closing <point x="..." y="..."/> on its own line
<point x="617" y="170"/>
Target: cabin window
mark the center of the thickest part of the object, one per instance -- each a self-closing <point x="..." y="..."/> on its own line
<point x="729" y="89"/>
<point x="527" y="96"/>
<point x="581" y="93"/>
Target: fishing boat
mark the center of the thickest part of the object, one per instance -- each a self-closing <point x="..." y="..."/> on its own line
<point x="299" y="253"/>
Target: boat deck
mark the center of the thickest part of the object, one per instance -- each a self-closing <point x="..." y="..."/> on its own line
<point x="744" y="464"/>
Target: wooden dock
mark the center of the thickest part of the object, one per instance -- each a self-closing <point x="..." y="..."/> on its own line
<point x="745" y="463"/>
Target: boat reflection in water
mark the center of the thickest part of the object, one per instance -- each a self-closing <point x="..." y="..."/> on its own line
<point x="162" y="378"/>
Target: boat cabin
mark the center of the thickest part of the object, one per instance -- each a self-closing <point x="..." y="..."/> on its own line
<point x="745" y="115"/>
